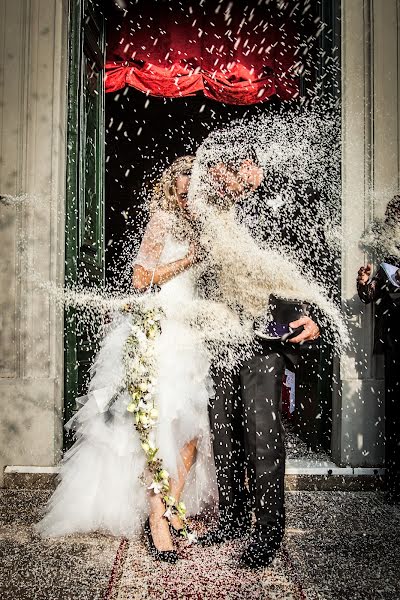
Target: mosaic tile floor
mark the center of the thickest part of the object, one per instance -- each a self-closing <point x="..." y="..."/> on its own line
<point x="338" y="546"/>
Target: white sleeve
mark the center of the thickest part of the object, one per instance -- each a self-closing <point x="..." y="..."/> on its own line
<point x="153" y="241"/>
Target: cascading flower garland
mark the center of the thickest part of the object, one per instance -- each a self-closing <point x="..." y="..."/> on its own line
<point x="140" y="380"/>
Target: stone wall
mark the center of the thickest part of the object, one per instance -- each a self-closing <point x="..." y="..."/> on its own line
<point x="33" y="76"/>
<point x="370" y="169"/>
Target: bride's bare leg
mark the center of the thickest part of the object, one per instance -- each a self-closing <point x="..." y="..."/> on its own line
<point x="188" y="454"/>
<point x="158" y="524"/>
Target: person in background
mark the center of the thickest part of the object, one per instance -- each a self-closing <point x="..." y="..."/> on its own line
<point x="387" y="341"/>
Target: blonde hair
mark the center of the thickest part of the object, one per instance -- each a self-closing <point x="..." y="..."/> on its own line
<point x="165" y="193"/>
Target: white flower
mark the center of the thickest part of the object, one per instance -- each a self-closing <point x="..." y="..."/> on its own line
<point x="141" y="336"/>
<point x="168" y="514"/>
<point x="191" y="538"/>
<point x="156" y="487"/>
<point x="153" y="414"/>
<point x="144" y="419"/>
<point x="152" y="333"/>
<point x="135" y="364"/>
<point x="145" y="447"/>
<point x="142" y="405"/>
<point x="142" y="369"/>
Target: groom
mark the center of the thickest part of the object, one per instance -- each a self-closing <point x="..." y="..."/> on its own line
<point x="247" y="429"/>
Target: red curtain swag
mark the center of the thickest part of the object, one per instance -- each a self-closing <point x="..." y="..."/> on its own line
<point x="232" y="57"/>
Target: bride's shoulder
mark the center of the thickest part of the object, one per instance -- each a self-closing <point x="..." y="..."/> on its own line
<point x="162" y="218"/>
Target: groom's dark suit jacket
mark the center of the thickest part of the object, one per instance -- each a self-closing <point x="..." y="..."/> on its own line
<point x="244" y="415"/>
<point x="298" y="219"/>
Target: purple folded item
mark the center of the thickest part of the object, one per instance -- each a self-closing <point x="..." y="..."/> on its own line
<point x="283" y="313"/>
<point x="276" y="330"/>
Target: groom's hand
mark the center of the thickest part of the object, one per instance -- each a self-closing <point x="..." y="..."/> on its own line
<point x="311" y="330"/>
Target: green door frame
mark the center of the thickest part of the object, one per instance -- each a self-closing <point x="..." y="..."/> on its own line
<point x="330" y="12"/>
<point x="84" y="210"/>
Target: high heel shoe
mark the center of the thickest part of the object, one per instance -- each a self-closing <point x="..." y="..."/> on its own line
<point x="178" y="532"/>
<point x="169" y="556"/>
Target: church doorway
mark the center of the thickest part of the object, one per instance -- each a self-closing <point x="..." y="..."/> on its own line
<point x="135" y="136"/>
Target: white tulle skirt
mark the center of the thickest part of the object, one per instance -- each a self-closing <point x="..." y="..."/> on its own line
<point x="101" y="486"/>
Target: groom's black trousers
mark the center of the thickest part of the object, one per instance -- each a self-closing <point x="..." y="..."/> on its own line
<point x="245" y="417"/>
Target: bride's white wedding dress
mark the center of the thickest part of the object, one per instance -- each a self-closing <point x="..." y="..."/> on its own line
<point x="100" y="486"/>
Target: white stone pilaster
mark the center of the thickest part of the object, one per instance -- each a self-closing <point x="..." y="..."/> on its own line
<point x="370" y="171"/>
<point x="33" y="59"/>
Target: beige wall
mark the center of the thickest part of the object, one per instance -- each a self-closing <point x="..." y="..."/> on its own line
<point x="33" y="70"/>
<point x="371" y="151"/>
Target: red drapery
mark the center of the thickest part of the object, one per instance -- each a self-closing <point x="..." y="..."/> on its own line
<point x="233" y="55"/>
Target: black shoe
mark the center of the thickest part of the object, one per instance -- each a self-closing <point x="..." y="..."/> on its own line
<point x="222" y="533"/>
<point x="169" y="556"/>
<point x="178" y="532"/>
<point x="261" y="551"/>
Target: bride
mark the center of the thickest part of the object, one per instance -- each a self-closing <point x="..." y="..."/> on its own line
<point x="105" y="476"/>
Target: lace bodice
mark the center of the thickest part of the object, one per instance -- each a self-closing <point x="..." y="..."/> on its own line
<point x="159" y="245"/>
